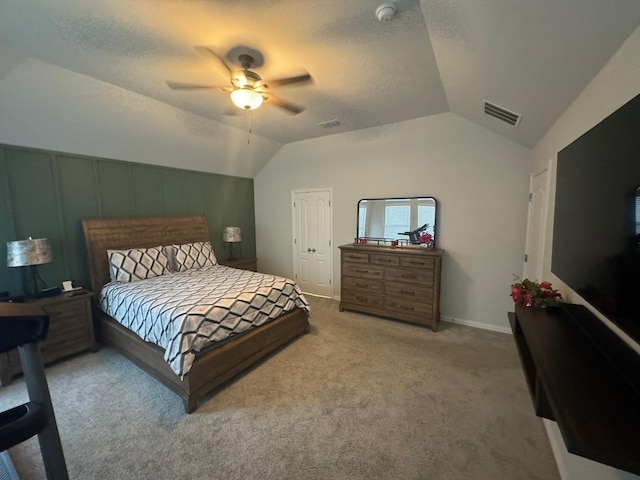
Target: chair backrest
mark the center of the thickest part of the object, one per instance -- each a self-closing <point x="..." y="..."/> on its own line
<point x="21" y="323"/>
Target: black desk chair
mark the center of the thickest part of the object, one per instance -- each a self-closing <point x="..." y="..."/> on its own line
<point x="23" y="325"/>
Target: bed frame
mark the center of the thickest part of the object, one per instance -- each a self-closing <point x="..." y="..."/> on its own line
<point x="211" y="368"/>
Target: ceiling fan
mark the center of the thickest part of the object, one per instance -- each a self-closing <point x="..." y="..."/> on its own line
<point x="247" y="89"/>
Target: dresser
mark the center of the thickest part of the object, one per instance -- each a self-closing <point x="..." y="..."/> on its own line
<point x="402" y="283"/>
<point x="70" y="332"/>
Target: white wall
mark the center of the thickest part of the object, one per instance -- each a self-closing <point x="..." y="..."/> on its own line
<point x="48" y="107"/>
<point x="480" y="180"/>
<point x="615" y="85"/>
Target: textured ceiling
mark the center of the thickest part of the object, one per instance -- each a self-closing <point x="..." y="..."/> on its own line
<point x="435" y="56"/>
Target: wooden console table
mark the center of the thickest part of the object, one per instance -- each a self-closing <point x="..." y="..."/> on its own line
<point x="586" y="378"/>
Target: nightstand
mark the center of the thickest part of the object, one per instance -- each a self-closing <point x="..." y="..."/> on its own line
<point x="242" y="263"/>
<point x="70" y="332"/>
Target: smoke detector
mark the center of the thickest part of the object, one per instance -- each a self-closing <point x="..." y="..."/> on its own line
<point x="385" y="12"/>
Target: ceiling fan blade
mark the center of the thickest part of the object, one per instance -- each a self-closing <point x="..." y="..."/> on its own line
<point x="289" y="107"/>
<point x="280" y="82"/>
<point x="208" y="51"/>
<point x="194" y="86"/>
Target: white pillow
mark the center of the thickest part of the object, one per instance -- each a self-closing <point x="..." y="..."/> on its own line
<point x="137" y="264"/>
<point x="192" y="255"/>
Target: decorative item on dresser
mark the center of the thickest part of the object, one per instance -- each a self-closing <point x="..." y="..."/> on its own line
<point x="242" y="263"/>
<point x="70" y="331"/>
<point x="402" y="283"/>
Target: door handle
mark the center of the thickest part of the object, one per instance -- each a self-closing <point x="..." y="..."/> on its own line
<point x="313" y="250"/>
<point x="308" y="250"/>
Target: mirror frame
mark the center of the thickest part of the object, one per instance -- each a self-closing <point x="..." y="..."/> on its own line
<point x="383" y="241"/>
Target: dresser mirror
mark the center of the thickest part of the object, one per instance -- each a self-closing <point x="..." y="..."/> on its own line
<point x="391" y="219"/>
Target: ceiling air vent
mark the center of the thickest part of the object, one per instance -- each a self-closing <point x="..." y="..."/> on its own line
<point x="330" y="123"/>
<point x="503" y="114"/>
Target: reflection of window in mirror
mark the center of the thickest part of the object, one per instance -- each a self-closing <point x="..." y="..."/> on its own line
<point x="397" y="216"/>
<point x="362" y="216"/>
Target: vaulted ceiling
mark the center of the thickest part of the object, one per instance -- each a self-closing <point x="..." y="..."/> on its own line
<point x="532" y="58"/>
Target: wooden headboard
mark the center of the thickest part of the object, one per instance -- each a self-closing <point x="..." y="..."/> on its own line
<point x="121" y="233"/>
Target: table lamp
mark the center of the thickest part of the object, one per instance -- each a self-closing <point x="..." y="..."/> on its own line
<point x="30" y="253"/>
<point x="231" y="235"/>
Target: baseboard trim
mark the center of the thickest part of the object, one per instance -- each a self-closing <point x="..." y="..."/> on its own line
<point x="471" y="323"/>
<point x="468" y="323"/>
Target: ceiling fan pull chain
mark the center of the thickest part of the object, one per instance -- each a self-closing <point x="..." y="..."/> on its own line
<point x="249" y="127"/>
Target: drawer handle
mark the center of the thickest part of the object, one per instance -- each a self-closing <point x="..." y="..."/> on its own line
<point x="362" y="285"/>
<point x="406" y="275"/>
<point x="362" y="299"/>
<point x="417" y="263"/>
<point x="407" y="292"/>
<point x="404" y="307"/>
<point x="361" y="271"/>
<point x="354" y="256"/>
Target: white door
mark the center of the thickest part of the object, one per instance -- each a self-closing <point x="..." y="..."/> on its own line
<point x="534" y="248"/>
<point x="312" y="249"/>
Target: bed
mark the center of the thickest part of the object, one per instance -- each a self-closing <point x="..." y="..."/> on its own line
<point x="212" y="366"/>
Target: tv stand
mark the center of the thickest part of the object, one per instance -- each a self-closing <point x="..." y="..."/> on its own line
<point x="586" y="378"/>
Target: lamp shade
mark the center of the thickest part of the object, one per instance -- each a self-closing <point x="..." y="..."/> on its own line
<point x="33" y="251"/>
<point x="231" y="234"/>
<point x="246" y="98"/>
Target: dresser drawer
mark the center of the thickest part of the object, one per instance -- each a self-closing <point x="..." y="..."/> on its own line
<point x="418" y="262"/>
<point x="362" y="284"/>
<point x="408" y="291"/>
<point x="392" y="260"/>
<point x="362" y="271"/>
<point x="410" y="310"/>
<point x="411" y="275"/>
<point x="357" y="257"/>
<point x="361" y="298"/>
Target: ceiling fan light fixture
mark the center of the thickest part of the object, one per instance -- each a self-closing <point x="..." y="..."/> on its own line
<point x="246" y="98"/>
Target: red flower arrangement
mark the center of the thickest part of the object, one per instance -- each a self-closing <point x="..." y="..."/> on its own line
<point x="534" y="294"/>
<point x="425" y="238"/>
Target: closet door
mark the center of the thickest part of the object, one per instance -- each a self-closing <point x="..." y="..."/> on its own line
<point x="312" y="249"/>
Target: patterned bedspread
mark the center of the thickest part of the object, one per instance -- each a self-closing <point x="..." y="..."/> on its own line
<point x="185" y="312"/>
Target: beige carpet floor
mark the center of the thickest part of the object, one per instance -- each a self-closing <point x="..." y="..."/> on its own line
<point x="360" y="397"/>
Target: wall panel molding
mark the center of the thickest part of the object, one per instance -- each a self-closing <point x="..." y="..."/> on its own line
<point x="48" y="193"/>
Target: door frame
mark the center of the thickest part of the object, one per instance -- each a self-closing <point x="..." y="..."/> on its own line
<point x="541" y="238"/>
<point x="293" y="232"/>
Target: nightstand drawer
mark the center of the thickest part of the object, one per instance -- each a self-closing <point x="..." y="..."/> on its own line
<point x="59" y="311"/>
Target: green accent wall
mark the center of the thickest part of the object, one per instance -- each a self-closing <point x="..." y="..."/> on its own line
<point x="47" y="194"/>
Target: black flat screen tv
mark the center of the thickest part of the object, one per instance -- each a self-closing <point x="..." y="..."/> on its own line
<point x="596" y="232"/>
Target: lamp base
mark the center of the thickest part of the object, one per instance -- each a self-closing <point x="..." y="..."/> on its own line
<point x="230" y="253"/>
